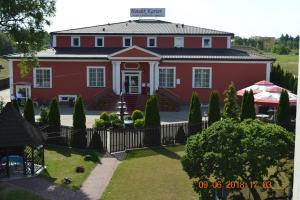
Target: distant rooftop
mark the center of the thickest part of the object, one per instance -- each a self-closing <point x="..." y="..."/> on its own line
<point x="144" y="26"/>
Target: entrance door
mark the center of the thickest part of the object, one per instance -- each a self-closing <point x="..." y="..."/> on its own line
<point x="23" y="91"/>
<point x="132" y="82"/>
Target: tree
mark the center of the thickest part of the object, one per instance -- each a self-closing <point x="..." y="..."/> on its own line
<point x="152" y="135"/>
<point x="25" y="22"/>
<point x="7" y="45"/>
<point x="54" y="114"/>
<point x="244" y="106"/>
<point x="29" y="111"/>
<point x="16" y="104"/>
<point x="280" y="49"/>
<point x="214" y="113"/>
<point x="44" y="115"/>
<point x="231" y="109"/>
<point x="283" y="113"/>
<point x="79" y="136"/>
<point x="251" y="106"/>
<point x="195" y="115"/>
<point x="241" y="151"/>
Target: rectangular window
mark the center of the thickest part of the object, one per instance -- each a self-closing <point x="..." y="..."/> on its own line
<point x="167" y="76"/>
<point x="179" y="42"/>
<point x="151" y="41"/>
<point x="75" y="41"/>
<point x="206" y="42"/>
<point x="99" y="42"/>
<point x="42" y="77"/>
<point x="95" y="76"/>
<point x="202" y="77"/>
<point x="127" y="41"/>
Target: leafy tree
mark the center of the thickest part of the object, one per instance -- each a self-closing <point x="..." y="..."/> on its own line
<point x="195" y="116"/>
<point x="29" y="111"/>
<point x="7" y="45"/>
<point x="25" y="22"/>
<point x="242" y="151"/>
<point x="283" y="113"/>
<point x="244" y="106"/>
<point x="231" y="109"/>
<point x="214" y="113"/>
<point x="280" y="49"/>
<point x="16" y="104"/>
<point x="152" y="135"/>
<point x="79" y="135"/>
<point x="54" y="115"/>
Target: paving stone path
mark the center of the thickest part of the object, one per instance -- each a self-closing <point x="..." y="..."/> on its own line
<point x="91" y="189"/>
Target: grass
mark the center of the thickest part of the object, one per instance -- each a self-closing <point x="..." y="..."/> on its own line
<point x="9" y="192"/>
<point x="151" y="174"/>
<point x="61" y="162"/>
<point x="3" y="72"/>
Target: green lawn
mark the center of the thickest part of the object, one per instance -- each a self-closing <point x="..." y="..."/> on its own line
<point x="8" y="192"/>
<point x="3" y="72"/>
<point x="151" y="174"/>
<point x="61" y="162"/>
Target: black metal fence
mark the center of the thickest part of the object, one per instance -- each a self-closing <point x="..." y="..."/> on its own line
<point x="121" y="139"/>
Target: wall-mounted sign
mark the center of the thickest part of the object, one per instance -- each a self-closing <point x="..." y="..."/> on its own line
<point x="147" y="12"/>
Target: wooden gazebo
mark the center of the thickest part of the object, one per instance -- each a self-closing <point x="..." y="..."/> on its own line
<point x="21" y="145"/>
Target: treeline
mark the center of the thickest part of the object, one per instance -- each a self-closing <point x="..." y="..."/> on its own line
<point x="288" y="41"/>
<point x="283" y="78"/>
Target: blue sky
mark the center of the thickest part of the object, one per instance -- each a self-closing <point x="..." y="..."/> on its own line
<point x="243" y="17"/>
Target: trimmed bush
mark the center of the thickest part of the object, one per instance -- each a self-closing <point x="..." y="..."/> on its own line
<point x="16" y="104"/>
<point x="283" y="113"/>
<point x="44" y="115"/>
<point x="139" y="123"/>
<point x="244" y="106"/>
<point x="231" y="109"/>
<point x="113" y="116"/>
<point x="99" y="123"/>
<point x="104" y="116"/>
<point x="117" y="123"/>
<point x="180" y="136"/>
<point x="195" y="116"/>
<point x="29" y="111"/>
<point x="96" y="142"/>
<point x="251" y="105"/>
<point x="137" y="114"/>
<point x="214" y="108"/>
<point x="79" y="136"/>
<point x="54" y="115"/>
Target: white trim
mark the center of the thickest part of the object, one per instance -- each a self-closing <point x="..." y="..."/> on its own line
<point x="138" y="73"/>
<point x="111" y="56"/>
<point x="135" y="58"/>
<point x="156" y="76"/>
<point x="96" y="42"/>
<point x="179" y="37"/>
<point x="66" y="95"/>
<point x="228" y="42"/>
<point x="54" y="41"/>
<point x="204" y="38"/>
<point x="210" y="78"/>
<point x="88" y="77"/>
<point x="174" y="76"/>
<point x="151" y="78"/>
<point x="68" y="60"/>
<point x="143" y="35"/>
<point x="127" y="37"/>
<point x="214" y="61"/>
<point x="73" y="37"/>
<point x="34" y="76"/>
<point x="11" y="78"/>
<point x="268" y="71"/>
<point x="24" y="86"/>
<point x="148" y="41"/>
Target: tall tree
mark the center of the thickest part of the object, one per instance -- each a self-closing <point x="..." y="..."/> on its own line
<point x="231" y="109"/>
<point x="214" y="113"/>
<point x="283" y="113"/>
<point x="7" y="45"/>
<point x="195" y="115"/>
<point x="25" y="21"/>
<point x="54" y="114"/>
<point x="79" y="136"/>
<point x="244" y="106"/>
<point x="251" y="105"/>
<point x="16" y="104"/>
<point x="29" y="111"/>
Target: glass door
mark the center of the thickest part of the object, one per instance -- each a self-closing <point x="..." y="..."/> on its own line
<point x="132" y="83"/>
<point x="23" y="91"/>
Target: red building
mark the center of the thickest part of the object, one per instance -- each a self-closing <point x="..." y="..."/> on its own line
<point x="137" y="56"/>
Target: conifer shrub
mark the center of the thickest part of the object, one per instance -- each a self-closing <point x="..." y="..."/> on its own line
<point x="29" y="111"/>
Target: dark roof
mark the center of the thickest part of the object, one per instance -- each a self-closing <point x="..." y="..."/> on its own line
<point x="143" y="26"/>
<point x="15" y="130"/>
<point x="166" y="54"/>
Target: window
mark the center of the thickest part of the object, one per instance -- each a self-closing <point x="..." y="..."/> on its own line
<point x="206" y="42"/>
<point x="42" y="77"/>
<point x="151" y="42"/>
<point x="127" y="41"/>
<point x="179" y="42"/>
<point x="95" y="76"/>
<point x="99" y="42"/>
<point x="201" y="77"/>
<point x="66" y="98"/>
<point x="75" y="41"/>
<point x="167" y="77"/>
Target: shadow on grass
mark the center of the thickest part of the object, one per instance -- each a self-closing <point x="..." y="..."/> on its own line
<point x="46" y="174"/>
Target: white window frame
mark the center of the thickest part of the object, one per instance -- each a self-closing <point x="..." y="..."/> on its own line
<point x="72" y="41"/>
<point x="210" y="43"/>
<point x="127" y="37"/>
<point x="88" y="77"/>
<point x="210" y="77"/>
<point x="148" y="42"/>
<point x="66" y="95"/>
<point x="34" y="76"/>
<point x="96" y="41"/>
<point x="175" y="43"/>
<point x="174" y="77"/>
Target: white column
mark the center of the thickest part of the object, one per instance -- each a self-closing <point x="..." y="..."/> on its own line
<point x="116" y="76"/>
<point x="156" y="76"/>
<point x="113" y="77"/>
<point x="11" y="78"/>
<point x="151" y="79"/>
<point x="268" y="71"/>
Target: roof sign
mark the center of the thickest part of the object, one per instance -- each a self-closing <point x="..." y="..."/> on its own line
<point x="147" y="12"/>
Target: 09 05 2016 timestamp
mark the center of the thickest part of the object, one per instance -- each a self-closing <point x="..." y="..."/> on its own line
<point x="234" y="184"/>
